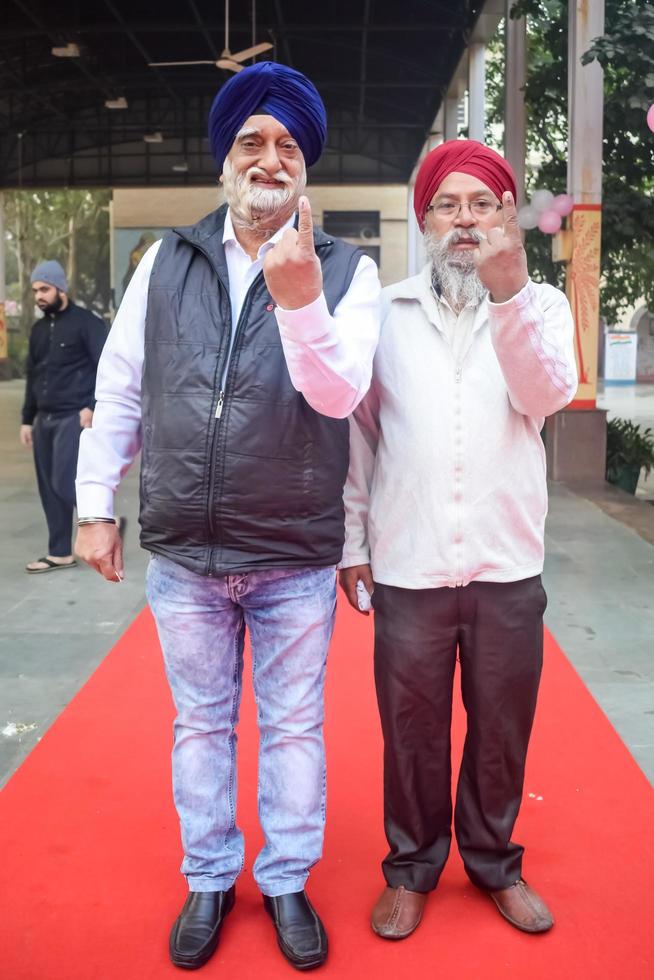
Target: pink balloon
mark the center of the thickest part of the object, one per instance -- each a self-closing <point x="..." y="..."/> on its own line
<point x="563" y="204"/>
<point x="650" y="117"/>
<point x="549" y="222"/>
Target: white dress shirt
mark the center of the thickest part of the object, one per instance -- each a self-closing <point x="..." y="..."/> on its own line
<point x="447" y="466"/>
<point x="329" y="359"/>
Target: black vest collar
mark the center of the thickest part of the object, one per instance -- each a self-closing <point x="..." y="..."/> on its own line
<point x="207" y="235"/>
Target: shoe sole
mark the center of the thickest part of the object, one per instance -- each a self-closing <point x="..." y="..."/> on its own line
<point x="395" y="936"/>
<point x="51" y="568"/>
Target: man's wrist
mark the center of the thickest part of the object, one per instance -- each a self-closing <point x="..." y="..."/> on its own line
<point x="506" y="296"/>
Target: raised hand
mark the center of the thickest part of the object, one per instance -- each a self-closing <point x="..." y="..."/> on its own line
<point x="292" y="269"/>
<point x="501" y="260"/>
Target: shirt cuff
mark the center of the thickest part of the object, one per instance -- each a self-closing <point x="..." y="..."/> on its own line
<point x="307" y="324"/>
<point x="352" y="559"/>
<point x="521" y="298"/>
<point x="94" y="500"/>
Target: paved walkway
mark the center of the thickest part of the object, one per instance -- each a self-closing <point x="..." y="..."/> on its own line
<point x="56" y="628"/>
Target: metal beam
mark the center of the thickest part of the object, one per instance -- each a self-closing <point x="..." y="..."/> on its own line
<point x="446" y="22"/>
<point x="284" y="32"/>
<point x="78" y="63"/>
<point x="364" y="51"/>
<point x="139" y="47"/>
<point x="207" y="36"/>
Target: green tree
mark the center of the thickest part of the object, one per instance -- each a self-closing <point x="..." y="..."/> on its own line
<point x="71" y="226"/>
<point x="626" y="53"/>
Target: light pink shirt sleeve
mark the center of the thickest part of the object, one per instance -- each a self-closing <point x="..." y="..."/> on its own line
<point x="533" y="338"/>
<point x="329" y="358"/>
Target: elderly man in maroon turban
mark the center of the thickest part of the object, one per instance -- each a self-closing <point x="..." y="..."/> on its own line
<point x="445" y="507"/>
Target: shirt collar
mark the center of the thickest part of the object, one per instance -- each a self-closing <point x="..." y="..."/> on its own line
<point x="229" y="234"/>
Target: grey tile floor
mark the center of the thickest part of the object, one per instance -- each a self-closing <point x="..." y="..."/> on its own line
<point x="55" y="629"/>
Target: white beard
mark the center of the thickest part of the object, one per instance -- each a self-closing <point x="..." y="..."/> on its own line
<point x="255" y="207"/>
<point x="454" y="272"/>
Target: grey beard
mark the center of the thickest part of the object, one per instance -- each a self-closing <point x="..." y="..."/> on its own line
<point x="256" y="208"/>
<point x="454" y="273"/>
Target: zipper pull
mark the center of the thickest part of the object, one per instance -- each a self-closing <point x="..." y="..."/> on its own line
<point x="457" y="376"/>
<point x="219" y="406"/>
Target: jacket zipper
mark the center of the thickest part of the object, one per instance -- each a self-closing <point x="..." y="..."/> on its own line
<point x="245" y="310"/>
<point x="48" y="363"/>
<point x="219" y="404"/>
<point x="222" y="393"/>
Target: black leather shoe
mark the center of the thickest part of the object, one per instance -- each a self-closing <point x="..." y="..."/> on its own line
<point x="195" y="934"/>
<point x="300" y="933"/>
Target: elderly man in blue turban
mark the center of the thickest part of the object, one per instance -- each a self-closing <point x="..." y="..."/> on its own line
<point x="241" y="346"/>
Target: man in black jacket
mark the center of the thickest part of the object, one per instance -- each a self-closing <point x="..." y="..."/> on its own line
<point x="241" y="346"/>
<point x="64" y="350"/>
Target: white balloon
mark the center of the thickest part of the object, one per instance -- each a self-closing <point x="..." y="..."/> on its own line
<point x="527" y="217"/>
<point x="542" y="200"/>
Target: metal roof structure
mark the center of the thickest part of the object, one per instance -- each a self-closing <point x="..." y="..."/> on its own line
<point x="381" y="67"/>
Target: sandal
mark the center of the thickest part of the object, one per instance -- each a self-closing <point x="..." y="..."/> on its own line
<point x="50" y="566"/>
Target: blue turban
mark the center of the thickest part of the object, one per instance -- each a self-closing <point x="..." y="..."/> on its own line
<point x="268" y="88"/>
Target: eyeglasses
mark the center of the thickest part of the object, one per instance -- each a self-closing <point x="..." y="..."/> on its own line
<point x="480" y="208"/>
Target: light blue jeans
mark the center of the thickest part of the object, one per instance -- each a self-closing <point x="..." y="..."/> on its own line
<point x="201" y="624"/>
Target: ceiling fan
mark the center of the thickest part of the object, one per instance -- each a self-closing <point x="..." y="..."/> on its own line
<point x="232" y="62"/>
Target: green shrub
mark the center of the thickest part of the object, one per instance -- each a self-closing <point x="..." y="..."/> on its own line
<point x="627" y="447"/>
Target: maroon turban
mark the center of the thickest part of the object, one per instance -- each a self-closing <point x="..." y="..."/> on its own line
<point x="466" y="157"/>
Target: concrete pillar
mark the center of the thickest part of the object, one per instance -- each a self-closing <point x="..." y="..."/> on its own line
<point x="515" y="117"/>
<point x="4" y="343"/>
<point x="452" y="115"/>
<point x="576" y="437"/>
<point x="477" y="92"/>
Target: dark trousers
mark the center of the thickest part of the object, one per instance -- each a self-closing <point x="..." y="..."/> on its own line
<point x="498" y="631"/>
<point x="56" y="444"/>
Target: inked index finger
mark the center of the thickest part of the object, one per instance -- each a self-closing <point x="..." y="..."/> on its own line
<point x="305" y="225"/>
<point x="510" y="216"/>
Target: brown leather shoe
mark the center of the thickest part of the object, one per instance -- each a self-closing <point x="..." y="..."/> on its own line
<point x="397" y="912"/>
<point x="523" y="908"/>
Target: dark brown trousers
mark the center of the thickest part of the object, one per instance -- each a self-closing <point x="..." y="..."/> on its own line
<point x="497" y="629"/>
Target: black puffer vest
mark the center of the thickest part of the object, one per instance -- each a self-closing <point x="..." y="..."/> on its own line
<point x="254" y="481"/>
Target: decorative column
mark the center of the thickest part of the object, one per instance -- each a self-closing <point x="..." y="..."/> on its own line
<point x="576" y="437"/>
<point x="585" y="112"/>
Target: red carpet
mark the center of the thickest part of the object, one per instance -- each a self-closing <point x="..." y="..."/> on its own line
<point x="88" y="877"/>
